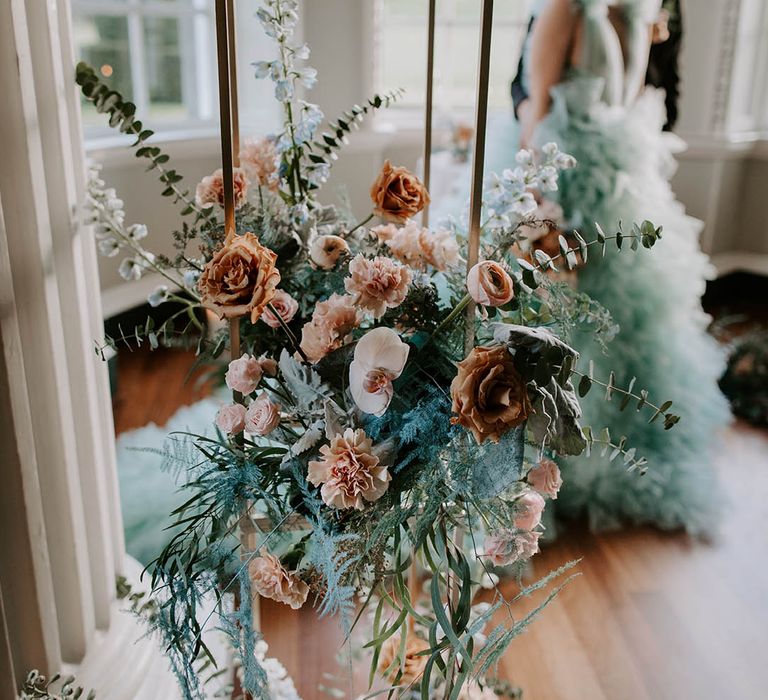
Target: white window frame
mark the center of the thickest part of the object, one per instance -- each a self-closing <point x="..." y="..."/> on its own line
<point x="196" y="44"/>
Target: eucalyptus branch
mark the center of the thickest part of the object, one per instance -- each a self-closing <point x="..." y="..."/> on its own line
<point x="587" y="380"/>
<point x="630" y="460"/>
<point x="122" y="116"/>
<point x="645" y="234"/>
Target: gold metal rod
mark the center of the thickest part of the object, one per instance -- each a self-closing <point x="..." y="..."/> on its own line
<point x="478" y="158"/>
<point x="225" y="111"/>
<point x="233" y="101"/>
<point x="428" y="106"/>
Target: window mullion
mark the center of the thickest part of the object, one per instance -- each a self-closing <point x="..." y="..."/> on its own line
<point x="138" y="65"/>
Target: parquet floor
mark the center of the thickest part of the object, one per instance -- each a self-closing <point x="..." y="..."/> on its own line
<point x="653" y="616"/>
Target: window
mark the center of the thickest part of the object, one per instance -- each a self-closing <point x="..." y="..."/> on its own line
<point x="400" y="37"/>
<point x="157" y="53"/>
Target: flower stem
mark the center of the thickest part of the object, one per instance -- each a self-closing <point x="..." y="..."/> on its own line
<point x="288" y="332"/>
<point x="360" y="224"/>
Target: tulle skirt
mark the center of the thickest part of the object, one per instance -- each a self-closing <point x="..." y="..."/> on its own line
<point x="623" y="171"/>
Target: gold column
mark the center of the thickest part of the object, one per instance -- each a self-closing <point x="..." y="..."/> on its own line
<point x="478" y="157"/>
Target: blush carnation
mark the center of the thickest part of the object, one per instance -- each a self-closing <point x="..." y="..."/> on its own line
<point x="243" y="374"/>
<point x="270" y="579"/>
<point x="210" y="190"/>
<point x="377" y="284"/>
<point x="505" y="547"/>
<point x="349" y="472"/>
<point x="413" y="659"/>
<point x="231" y="418"/>
<point x="285" y="305"/>
<point x="332" y="321"/>
<point x="258" y="160"/>
<point x="545" y="478"/>
<point x="418" y="247"/>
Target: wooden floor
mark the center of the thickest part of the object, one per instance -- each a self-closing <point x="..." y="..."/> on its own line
<point x="653" y="616"/>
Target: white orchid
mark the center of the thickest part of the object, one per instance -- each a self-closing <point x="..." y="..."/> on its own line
<point x="380" y="357"/>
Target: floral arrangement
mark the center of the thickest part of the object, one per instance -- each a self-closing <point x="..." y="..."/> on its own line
<point x="392" y="440"/>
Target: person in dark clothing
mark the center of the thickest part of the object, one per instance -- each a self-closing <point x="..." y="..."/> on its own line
<point x="663" y="69"/>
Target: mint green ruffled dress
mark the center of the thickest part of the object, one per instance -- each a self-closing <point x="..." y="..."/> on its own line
<point x="602" y="116"/>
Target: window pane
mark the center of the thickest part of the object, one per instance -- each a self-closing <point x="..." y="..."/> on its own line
<point x="163" y="68"/>
<point x="102" y="41"/>
<point x="401" y="42"/>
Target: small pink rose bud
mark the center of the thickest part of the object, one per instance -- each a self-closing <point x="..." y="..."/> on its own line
<point x="528" y="510"/>
<point x="244" y="374"/>
<point x="262" y="416"/>
<point x="231" y="418"/>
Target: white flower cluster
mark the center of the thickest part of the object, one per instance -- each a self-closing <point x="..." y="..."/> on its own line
<point x="280" y="684"/>
<point x="279" y="18"/>
<point x="509" y="197"/>
<point x="104" y="210"/>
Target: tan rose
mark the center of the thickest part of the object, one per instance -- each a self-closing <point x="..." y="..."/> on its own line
<point x="410" y="667"/>
<point x="398" y="194"/>
<point x="270" y="579"/>
<point x="488" y="394"/>
<point x="240" y="278"/>
<point x="489" y="284"/>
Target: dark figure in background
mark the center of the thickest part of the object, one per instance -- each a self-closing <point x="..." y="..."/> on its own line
<point x="663" y="70"/>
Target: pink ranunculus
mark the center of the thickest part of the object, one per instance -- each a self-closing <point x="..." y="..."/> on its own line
<point x="528" y="510"/>
<point x="210" y="190"/>
<point x="325" y="251"/>
<point x="545" y="478"/>
<point x="262" y="416"/>
<point x="377" y="284"/>
<point x="489" y="284"/>
<point x="285" y="305"/>
<point x="505" y="546"/>
<point x="231" y="418"/>
<point x="243" y="374"/>
<point x="349" y="471"/>
<point x="270" y="579"/>
<point x="259" y="161"/>
<point x="332" y="321"/>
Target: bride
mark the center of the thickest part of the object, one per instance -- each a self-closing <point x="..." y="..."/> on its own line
<point x="585" y="65"/>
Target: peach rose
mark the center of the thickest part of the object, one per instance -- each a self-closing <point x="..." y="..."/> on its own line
<point x="270" y="579"/>
<point x="262" y="416"/>
<point x="349" y="471"/>
<point x="258" y="160"/>
<point x="505" y="546"/>
<point x="325" y="251"/>
<point x="240" y="278"/>
<point x="545" y="478"/>
<point x="231" y="418"/>
<point x="377" y="284"/>
<point x="398" y="194"/>
<point x="332" y="321"/>
<point x="489" y="284"/>
<point x="285" y="305"/>
<point x="528" y="510"/>
<point x="210" y="190"/>
<point x="488" y="394"/>
<point x="407" y="670"/>
<point x="243" y="374"/>
<point x="418" y="247"/>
